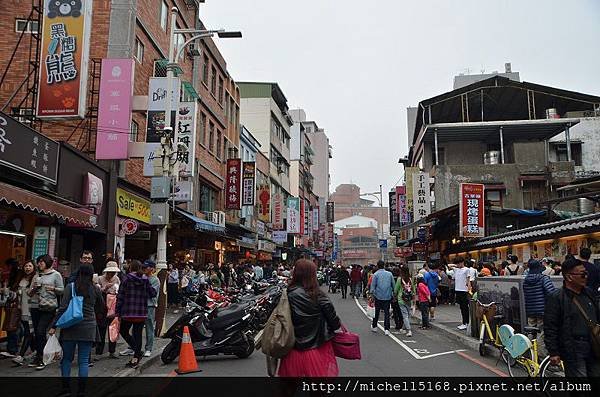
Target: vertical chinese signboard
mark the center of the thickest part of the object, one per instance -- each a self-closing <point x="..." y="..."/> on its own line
<point x="472" y="210"/>
<point x="401" y="205"/>
<point x="186" y="138"/>
<point x="264" y="203"/>
<point x="302" y="218"/>
<point x="293" y="215"/>
<point x="65" y="47"/>
<point x="315" y="221"/>
<point x="394" y="219"/>
<point x="114" y="109"/>
<point x="330" y="212"/>
<point x="232" y="193"/>
<point x="248" y="177"/>
<point x="421" y="206"/>
<point x="277" y="212"/>
<point x="410" y="171"/>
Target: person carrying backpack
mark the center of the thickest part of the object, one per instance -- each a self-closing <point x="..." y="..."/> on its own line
<point x="514" y="269"/>
<point x="403" y="290"/>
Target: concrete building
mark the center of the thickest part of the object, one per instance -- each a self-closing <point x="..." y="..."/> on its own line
<point x="463" y="80"/>
<point x="249" y="147"/>
<point x="358" y="244"/>
<point x="348" y="203"/>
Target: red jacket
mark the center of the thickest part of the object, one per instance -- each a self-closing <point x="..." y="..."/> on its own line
<point x="423" y="292"/>
<point x="355" y="275"/>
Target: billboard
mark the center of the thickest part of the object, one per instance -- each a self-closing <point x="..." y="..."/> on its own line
<point x="248" y="177"/>
<point x="421" y="205"/>
<point x="157" y="102"/>
<point x="293" y="215"/>
<point x="186" y="138"/>
<point x="64" y="58"/>
<point x="114" y="109"/>
<point x="472" y="210"/>
<point x="264" y="203"/>
<point x="232" y="192"/>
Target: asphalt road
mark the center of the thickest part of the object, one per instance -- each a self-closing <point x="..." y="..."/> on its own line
<point x="426" y="353"/>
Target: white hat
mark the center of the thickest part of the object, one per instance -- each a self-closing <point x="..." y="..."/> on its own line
<point x="111" y="266"/>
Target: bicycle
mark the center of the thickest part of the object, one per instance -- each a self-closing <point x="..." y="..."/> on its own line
<point x="485" y="330"/>
<point x="525" y="353"/>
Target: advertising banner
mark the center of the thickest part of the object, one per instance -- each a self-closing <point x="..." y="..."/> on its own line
<point x="186" y="138"/>
<point x="131" y="206"/>
<point x="410" y="171"/>
<point x="279" y="236"/>
<point x="152" y="159"/>
<point x="232" y="192"/>
<point x="248" y="180"/>
<point x="293" y="215"/>
<point x="302" y="219"/>
<point x="315" y="219"/>
<point x="157" y="101"/>
<point x="394" y="219"/>
<point x="114" y="109"/>
<point x="472" y="210"/>
<point x="277" y="212"/>
<point x="421" y="205"/>
<point x="401" y="205"/>
<point x="330" y="212"/>
<point x="65" y="48"/>
<point x="264" y="203"/>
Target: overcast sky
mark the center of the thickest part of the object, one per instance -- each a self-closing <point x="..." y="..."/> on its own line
<point x="355" y="66"/>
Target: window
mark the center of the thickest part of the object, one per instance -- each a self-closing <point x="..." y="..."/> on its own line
<point x="218" y="149"/>
<point x="211" y="137"/>
<point x="179" y="42"/>
<point x="205" y="70"/>
<point x="207" y="198"/>
<point x="203" y="129"/>
<point x="133" y="134"/>
<point x="23" y="115"/>
<point x="164" y="14"/>
<point x="213" y="81"/>
<point x="494" y="197"/>
<point x="561" y="152"/>
<point x="231" y="110"/>
<point x="139" y="50"/>
<point x="21" y="25"/>
<point x="220" y="90"/>
<point x="226" y="106"/>
<point x="534" y="192"/>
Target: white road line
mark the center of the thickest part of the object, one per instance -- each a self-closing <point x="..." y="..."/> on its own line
<point x="402" y="344"/>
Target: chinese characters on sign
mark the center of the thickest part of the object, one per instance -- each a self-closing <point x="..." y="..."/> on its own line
<point x="186" y="138"/>
<point x="330" y="212"/>
<point x="315" y="221"/>
<point x="232" y="192"/>
<point x="421" y="206"/>
<point x="114" y="109"/>
<point x="302" y="220"/>
<point x="277" y="212"/>
<point x="472" y="214"/>
<point x="248" y="177"/>
<point x="401" y="205"/>
<point x="64" y="61"/>
<point x="293" y="215"/>
<point x="410" y="171"/>
<point x="394" y="219"/>
<point x="264" y="203"/>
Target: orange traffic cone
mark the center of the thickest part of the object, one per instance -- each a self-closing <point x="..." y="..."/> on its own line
<point x="187" y="358"/>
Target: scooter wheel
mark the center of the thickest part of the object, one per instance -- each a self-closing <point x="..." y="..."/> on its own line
<point x="248" y="351"/>
<point x="170" y="352"/>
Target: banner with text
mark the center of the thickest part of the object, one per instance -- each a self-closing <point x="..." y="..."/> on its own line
<point x="394" y="219"/>
<point x="421" y="205"/>
<point x="232" y="192"/>
<point x="186" y="138"/>
<point x="157" y="101"/>
<point x="315" y="221"/>
<point x="410" y="172"/>
<point x="401" y="205"/>
<point x="64" y="59"/>
<point x="248" y="178"/>
<point x="264" y="203"/>
<point x="472" y="210"/>
<point x="293" y="215"/>
<point x="277" y="212"/>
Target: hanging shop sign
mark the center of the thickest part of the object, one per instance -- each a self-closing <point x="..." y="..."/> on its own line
<point x="308" y="220"/>
<point x="93" y="193"/>
<point x="64" y="59"/>
<point x="129" y="226"/>
<point x="248" y="179"/>
<point x="183" y="191"/>
<point x="153" y="159"/>
<point x="410" y="172"/>
<point x="264" y="203"/>
<point x="279" y="236"/>
<point x="472" y="213"/>
<point x="315" y="219"/>
<point x="419" y="248"/>
<point x="260" y="228"/>
<point x="293" y="215"/>
<point x="302" y="217"/>
<point x="421" y="205"/>
<point x="41" y="237"/>
<point x="186" y="138"/>
<point x="114" y="109"/>
<point x="277" y="212"/>
<point x="131" y="206"/>
<point x="401" y="205"/>
<point x="232" y="192"/>
<point x="394" y="218"/>
<point x="330" y="212"/>
<point x="26" y="150"/>
<point x="157" y="101"/>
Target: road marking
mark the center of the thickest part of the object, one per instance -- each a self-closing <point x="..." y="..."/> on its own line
<point x="404" y="345"/>
<point x="409" y="341"/>
<point x="484" y="365"/>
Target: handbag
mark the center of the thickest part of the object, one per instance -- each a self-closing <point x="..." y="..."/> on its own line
<point x="74" y="313"/>
<point x="594" y="329"/>
<point x="111" y="305"/>
<point x="346" y="345"/>
<point x="278" y="336"/>
<point x="13" y="317"/>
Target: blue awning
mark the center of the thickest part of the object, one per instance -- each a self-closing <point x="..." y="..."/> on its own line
<point x="202" y="224"/>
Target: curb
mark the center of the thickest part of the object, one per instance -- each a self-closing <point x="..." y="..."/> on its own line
<point x="146" y="361"/>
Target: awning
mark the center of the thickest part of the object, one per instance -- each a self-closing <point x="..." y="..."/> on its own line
<point x="34" y="202"/>
<point x="244" y="244"/>
<point x="201" y="224"/>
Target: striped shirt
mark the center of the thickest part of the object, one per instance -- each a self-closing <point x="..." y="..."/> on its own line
<point x="535" y="289"/>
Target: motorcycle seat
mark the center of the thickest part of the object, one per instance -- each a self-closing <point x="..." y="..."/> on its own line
<point x="226" y="317"/>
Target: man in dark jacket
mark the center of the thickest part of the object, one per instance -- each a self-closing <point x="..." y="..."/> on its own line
<point x="567" y="333"/>
<point x="536" y="287"/>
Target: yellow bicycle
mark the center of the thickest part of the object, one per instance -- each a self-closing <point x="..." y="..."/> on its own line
<point x="486" y="337"/>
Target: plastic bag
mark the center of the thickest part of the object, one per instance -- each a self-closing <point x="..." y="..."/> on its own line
<point x="113" y="329"/>
<point x="111" y="305"/>
<point x="52" y="350"/>
<point x="413" y="310"/>
<point x="371" y="311"/>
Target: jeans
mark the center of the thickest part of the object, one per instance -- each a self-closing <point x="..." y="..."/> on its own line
<point x="463" y="301"/>
<point x="83" y="357"/>
<point x="12" y="341"/>
<point x="344" y="288"/>
<point x="537" y="321"/>
<point x="584" y="364"/>
<point x="396" y="313"/>
<point x="103" y="330"/>
<point x="357" y="289"/>
<point x="41" y="323"/>
<point x="150" y="323"/>
<point x="135" y="339"/>
<point x="27" y="339"/>
<point x="405" y="311"/>
<point x="385" y="306"/>
<point x="424" y="306"/>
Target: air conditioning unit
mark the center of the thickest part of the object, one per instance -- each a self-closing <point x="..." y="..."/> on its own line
<point x="219" y="218"/>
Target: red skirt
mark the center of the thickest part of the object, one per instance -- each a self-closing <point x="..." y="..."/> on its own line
<point x="319" y="362"/>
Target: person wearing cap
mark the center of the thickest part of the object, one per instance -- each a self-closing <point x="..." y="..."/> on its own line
<point x="148" y="268"/>
<point x="536" y="287"/>
<point x="109" y="286"/>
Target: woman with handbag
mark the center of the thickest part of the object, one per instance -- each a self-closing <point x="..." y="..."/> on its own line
<point x="82" y="334"/>
<point x="109" y="286"/>
<point x="23" y="284"/>
<point x="315" y="321"/>
<point x="45" y="287"/>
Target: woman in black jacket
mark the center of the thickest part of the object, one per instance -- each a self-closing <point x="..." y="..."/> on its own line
<point x="315" y="322"/>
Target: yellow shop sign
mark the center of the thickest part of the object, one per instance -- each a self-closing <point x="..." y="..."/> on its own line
<point x="132" y="206"/>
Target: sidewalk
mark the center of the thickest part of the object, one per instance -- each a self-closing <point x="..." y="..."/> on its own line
<point x="103" y="367"/>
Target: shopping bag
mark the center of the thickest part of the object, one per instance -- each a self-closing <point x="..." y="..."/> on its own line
<point x="371" y="311"/>
<point x="113" y="329"/>
<point x="111" y="305"/>
<point x="272" y="365"/>
<point x="346" y="345"/>
<point x="52" y="350"/>
<point x="74" y="313"/>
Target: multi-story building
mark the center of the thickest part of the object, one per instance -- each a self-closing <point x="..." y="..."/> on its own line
<point x="348" y="203"/>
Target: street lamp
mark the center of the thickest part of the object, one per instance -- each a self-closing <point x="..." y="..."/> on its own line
<point x="379" y="196"/>
<point x="167" y="139"/>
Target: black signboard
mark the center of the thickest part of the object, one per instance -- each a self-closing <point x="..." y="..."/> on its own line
<point x="26" y="150"/>
<point x="330" y="212"/>
<point x="156" y="124"/>
<point x="394" y="216"/>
